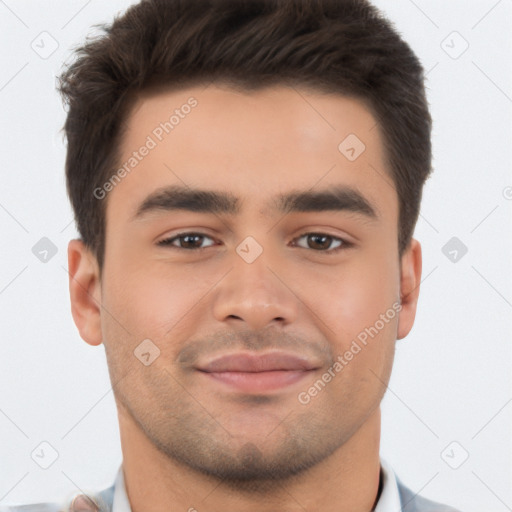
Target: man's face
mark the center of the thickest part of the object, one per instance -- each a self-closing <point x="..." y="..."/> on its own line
<point x="251" y="279"/>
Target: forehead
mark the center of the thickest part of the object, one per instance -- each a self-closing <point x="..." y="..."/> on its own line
<point x="256" y="145"/>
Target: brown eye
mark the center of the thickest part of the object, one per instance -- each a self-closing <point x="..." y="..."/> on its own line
<point x="319" y="242"/>
<point x="322" y="242"/>
<point x="189" y="241"/>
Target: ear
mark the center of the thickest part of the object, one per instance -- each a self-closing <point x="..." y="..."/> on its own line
<point x="85" y="291"/>
<point x="410" y="278"/>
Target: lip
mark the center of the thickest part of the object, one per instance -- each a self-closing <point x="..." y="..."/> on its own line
<point x="250" y="372"/>
<point x="252" y="362"/>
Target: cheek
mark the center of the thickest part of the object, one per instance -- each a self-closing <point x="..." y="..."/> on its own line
<point x="362" y="332"/>
<point x="149" y="306"/>
<point x="356" y="298"/>
<point x="153" y="300"/>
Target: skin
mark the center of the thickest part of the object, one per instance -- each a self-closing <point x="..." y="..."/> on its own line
<point x="199" y="444"/>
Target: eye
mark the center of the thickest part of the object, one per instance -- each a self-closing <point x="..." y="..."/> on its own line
<point x="321" y="242"/>
<point x="190" y="241"/>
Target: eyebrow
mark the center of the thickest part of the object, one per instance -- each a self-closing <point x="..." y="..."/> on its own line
<point x="336" y="198"/>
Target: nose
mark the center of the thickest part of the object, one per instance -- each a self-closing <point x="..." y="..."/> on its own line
<point x="256" y="293"/>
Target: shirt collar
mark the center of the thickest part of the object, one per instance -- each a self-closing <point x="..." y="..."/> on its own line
<point x="389" y="500"/>
<point x="120" y="503"/>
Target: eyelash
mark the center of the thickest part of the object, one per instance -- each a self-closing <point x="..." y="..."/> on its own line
<point x="168" y="242"/>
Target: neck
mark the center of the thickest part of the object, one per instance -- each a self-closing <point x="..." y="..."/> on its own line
<point x="347" y="481"/>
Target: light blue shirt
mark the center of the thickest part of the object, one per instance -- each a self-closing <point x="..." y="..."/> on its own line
<point x="395" y="497"/>
<point x="389" y="500"/>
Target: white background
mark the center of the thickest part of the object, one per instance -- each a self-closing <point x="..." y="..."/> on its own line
<point x="451" y="380"/>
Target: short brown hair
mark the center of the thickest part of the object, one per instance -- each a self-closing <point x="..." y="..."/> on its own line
<point x="339" y="46"/>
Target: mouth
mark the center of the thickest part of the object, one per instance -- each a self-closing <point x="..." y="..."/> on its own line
<point x="257" y="373"/>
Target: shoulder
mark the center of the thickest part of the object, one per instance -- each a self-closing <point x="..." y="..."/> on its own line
<point x="412" y="502"/>
<point x="36" y="507"/>
<point x="102" y="499"/>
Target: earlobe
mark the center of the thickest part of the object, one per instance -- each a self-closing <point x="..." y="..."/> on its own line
<point x="85" y="291"/>
<point x="410" y="279"/>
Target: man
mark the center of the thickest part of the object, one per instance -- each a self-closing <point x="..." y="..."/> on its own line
<point x="246" y="177"/>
